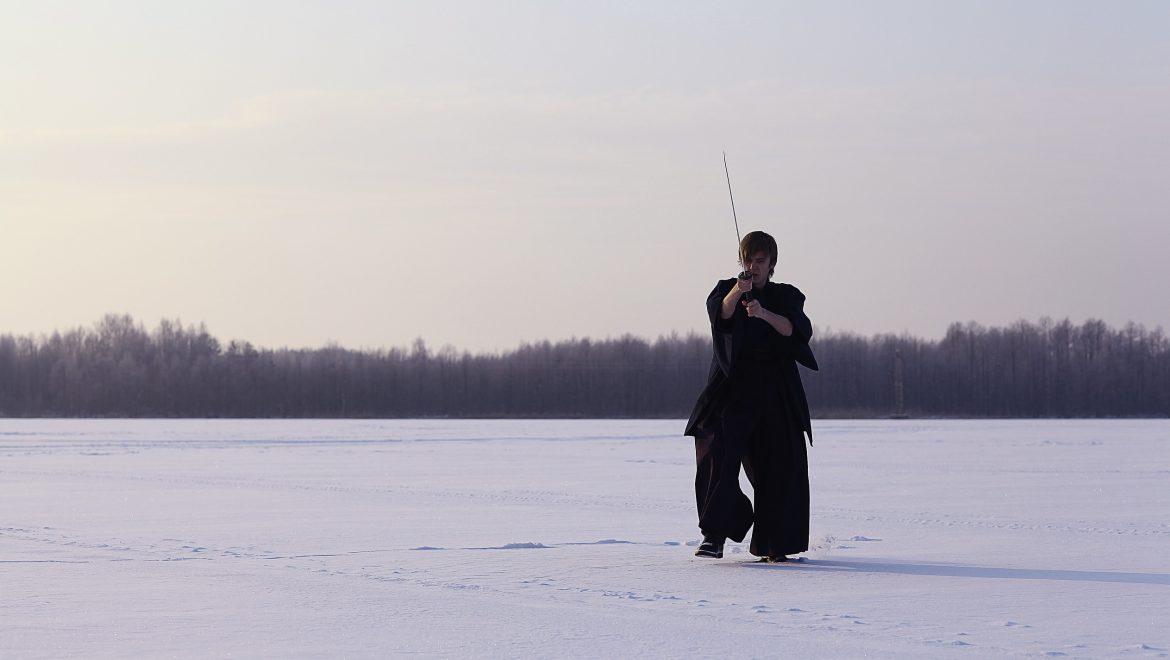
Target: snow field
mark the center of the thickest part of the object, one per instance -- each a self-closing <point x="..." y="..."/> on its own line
<point x="177" y="538"/>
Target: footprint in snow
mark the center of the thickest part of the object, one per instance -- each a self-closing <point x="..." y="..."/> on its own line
<point x="515" y="546"/>
<point x="953" y="642"/>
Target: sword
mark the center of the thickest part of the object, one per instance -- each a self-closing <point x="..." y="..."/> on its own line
<point x="739" y="240"/>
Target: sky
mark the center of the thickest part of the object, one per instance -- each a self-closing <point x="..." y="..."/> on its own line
<point x="482" y="174"/>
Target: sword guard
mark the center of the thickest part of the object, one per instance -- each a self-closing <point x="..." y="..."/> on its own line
<point x="746" y="276"/>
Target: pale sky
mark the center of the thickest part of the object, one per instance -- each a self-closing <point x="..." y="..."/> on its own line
<point x="485" y="173"/>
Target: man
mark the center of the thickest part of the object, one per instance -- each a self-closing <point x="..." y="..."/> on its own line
<point x="753" y="411"/>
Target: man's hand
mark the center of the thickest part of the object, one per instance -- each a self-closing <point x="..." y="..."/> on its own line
<point x="755" y="310"/>
<point x="733" y="295"/>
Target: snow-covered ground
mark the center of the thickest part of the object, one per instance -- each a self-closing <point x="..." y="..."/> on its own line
<point x="573" y="538"/>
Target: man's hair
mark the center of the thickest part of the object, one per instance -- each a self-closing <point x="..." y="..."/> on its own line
<point x="758" y="241"/>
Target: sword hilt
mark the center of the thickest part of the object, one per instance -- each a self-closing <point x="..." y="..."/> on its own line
<point x="746" y="276"/>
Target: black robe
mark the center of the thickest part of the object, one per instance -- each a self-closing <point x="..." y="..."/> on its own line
<point x="734" y="344"/>
<point x="754" y="411"/>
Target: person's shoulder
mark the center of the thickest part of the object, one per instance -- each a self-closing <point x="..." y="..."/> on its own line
<point x="721" y="288"/>
<point x="786" y="289"/>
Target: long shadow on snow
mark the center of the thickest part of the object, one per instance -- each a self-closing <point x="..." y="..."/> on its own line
<point x="957" y="570"/>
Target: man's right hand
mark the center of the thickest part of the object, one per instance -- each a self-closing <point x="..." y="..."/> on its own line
<point x="731" y="300"/>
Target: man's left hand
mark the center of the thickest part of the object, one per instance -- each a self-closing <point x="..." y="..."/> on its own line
<point x="755" y="310"/>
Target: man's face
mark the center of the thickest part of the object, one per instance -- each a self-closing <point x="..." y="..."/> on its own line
<point x="758" y="266"/>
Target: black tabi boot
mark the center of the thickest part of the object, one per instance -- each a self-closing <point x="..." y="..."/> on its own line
<point x="710" y="547"/>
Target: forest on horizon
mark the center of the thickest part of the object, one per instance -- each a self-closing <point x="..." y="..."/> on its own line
<point x="118" y="368"/>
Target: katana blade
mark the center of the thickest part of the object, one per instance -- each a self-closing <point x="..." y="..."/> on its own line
<point x="738" y="238"/>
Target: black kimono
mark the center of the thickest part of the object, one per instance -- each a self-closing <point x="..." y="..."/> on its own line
<point x="753" y="411"/>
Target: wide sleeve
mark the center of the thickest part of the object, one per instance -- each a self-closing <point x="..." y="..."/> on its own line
<point x="801" y="325"/>
<point x="715" y="307"/>
<point x="792" y="308"/>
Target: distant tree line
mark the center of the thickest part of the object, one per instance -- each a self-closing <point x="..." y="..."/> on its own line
<point x="119" y="369"/>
